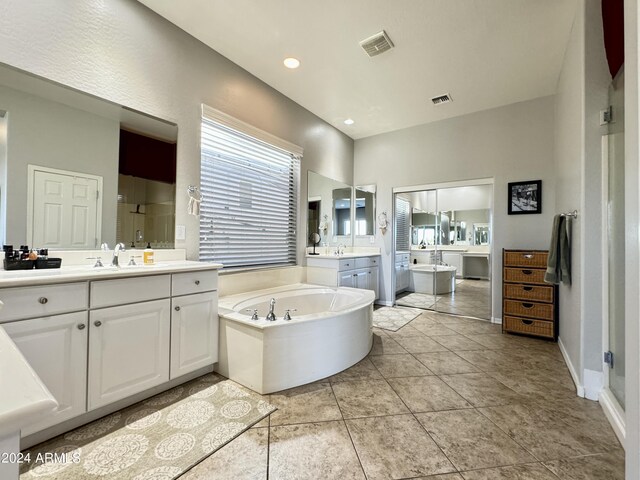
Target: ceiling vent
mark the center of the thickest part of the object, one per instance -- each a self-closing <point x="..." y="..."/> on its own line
<point x="440" y="99"/>
<point x="377" y="44"/>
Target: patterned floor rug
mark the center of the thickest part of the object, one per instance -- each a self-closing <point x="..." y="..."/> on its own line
<point x="157" y="439"/>
<point x="392" y="318"/>
<point x="417" y="300"/>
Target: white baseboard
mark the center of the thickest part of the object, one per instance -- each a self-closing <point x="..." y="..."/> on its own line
<point x="384" y="303"/>
<point x="593" y="384"/>
<point x="496" y="320"/>
<point x="614" y="414"/>
<point x="572" y="370"/>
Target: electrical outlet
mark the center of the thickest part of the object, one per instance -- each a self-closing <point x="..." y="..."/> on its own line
<point x="372" y="239"/>
<point x="181" y="232"/>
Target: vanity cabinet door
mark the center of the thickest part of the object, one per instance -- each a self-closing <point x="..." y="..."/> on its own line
<point x="56" y="348"/>
<point x="362" y="279"/>
<point x="373" y="281"/>
<point x="194" y="332"/>
<point x="346" y="279"/>
<point x="128" y="350"/>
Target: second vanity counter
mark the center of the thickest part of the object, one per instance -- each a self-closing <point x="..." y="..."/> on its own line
<point x="98" y="337"/>
<point x="355" y="270"/>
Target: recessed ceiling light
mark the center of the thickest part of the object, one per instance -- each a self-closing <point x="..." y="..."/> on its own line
<point x="349" y="121"/>
<point x="291" y="62"/>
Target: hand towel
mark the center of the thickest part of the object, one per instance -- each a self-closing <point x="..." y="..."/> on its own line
<point x="194" y="206"/>
<point x="559" y="261"/>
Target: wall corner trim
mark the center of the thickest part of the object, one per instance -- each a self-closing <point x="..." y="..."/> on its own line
<point x="593" y="384"/>
<point x="572" y="370"/>
<point x="496" y="320"/>
<point x="614" y="414"/>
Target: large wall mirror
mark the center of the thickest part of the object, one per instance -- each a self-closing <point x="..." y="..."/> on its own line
<point x="77" y="171"/>
<point x="365" y="214"/>
<point x="329" y="210"/>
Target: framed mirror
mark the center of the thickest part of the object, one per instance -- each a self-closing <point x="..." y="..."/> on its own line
<point x="328" y="210"/>
<point x="365" y="210"/>
<point x="77" y="171"/>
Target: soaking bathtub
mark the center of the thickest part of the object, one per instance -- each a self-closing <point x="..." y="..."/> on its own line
<point x="330" y="331"/>
<point x="432" y="279"/>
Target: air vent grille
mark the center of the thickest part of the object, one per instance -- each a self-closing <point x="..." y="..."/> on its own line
<point x="377" y="44"/>
<point x="440" y="99"/>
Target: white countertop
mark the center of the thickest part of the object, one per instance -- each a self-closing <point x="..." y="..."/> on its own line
<point x="24" y="398"/>
<point x="344" y="255"/>
<point x="80" y="273"/>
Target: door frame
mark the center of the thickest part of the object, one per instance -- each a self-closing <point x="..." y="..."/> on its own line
<point x="610" y="405"/>
<point x="31" y="172"/>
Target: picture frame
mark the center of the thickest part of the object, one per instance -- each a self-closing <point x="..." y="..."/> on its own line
<point x="525" y="198"/>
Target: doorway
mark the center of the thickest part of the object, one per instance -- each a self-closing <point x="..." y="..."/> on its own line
<point x="442" y="248"/>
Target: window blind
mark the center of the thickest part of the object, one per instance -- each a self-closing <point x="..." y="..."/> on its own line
<point x="248" y="214"/>
<point x="403" y="224"/>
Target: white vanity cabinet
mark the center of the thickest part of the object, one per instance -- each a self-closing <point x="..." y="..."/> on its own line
<point x="402" y="271"/>
<point x="128" y="350"/>
<point x="56" y="349"/>
<point x="354" y="272"/>
<point x="454" y="259"/>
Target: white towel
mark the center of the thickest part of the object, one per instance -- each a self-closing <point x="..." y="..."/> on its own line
<point x="194" y="206"/>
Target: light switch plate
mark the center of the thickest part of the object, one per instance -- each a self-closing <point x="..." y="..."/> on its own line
<point x="372" y="239"/>
<point x="181" y="232"/>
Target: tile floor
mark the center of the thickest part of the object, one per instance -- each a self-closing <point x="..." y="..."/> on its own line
<point x="443" y="398"/>
<point x="471" y="297"/>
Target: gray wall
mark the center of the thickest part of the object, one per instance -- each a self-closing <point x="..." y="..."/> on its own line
<point x="510" y="143"/>
<point x="121" y="51"/>
<point x="50" y="134"/>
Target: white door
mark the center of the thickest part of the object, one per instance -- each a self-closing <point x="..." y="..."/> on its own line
<point x="64" y="210"/>
<point x="194" y="332"/>
<point x="56" y="348"/>
<point x="345" y="279"/>
<point x="128" y="350"/>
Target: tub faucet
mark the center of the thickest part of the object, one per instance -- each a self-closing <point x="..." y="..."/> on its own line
<point x="116" y="251"/>
<point x="271" y="316"/>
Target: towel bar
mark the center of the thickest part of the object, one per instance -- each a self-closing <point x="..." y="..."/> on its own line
<point x="573" y="214"/>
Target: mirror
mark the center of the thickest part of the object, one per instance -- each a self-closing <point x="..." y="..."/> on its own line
<point x="329" y="209"/>
<point x="455" y="227"/>
<point x="365" y="203"/>
<point x="62" y="183"/>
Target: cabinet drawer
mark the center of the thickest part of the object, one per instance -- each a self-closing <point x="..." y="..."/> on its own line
<point x="541" y="328"/>
<point x="525" y="259"/>
<point x="107" y="293"/>
<point x="543" y="311"/>
<point x="528" y="292"/>
<point x="366" y="262"/>
<point x="194" y="282"/>
<point x="346" y="264"/>
<point x="30" y="302"/>
<point x="524" y="275"/>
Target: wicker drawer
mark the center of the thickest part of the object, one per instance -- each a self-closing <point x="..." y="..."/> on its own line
<point x="524" y="275"/>
<point x="525" y="259"/>
<point x="528" y="292"/>
<point x="543" y="311"/>
<point x="532" y="327"/>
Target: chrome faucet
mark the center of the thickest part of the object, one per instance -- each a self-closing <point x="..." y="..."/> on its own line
<point x="116" y="251"/>
<point x="271" y="316"/>
<point x="339" y="249"/>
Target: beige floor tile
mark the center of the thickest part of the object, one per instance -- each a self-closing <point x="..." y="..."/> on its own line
<point x="594" y="467"/>
<point x="385" y="346"/>
<point x="421" y="344"/>
<point x="306" y="404"/>
<point x="427" y="394"/>
<point x="404" y="365"/>
<point x="482" y="390"/>
<point x="543" y="433"/>
<point x="263" y="423"/>
<point x="446" y="363"/>
<point x="534" y="471"/>
<point x="313" y="451"/>
<point x="458" y="342"/>
<point x="244" y="458"/>
<point x="406" y="331"/>
<point x="477" y="328"/>
<point x="444" y="476"/>
<point x="363" y="370"/>
<point x="367" y="398"/>
<point x="434" y="329"/>
<point x="396" y="447"/>
<point x="471" y="441"/>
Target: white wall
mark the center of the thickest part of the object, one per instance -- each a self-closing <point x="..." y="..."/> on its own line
<point x="50" y="134"/>
<point x="510" y="143"/>
<point x="121" y="51"/>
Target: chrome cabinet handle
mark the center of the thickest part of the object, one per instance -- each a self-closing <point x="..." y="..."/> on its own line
<point x="197" y="282"/>
<point x="81" y="326"/>
<point x="177" y="308"/>
<point x="43" y="300"/>
<point x="97" y="323"/>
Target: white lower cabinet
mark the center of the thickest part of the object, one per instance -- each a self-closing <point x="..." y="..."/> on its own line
<point x="128" y="350"/>
<point x="356" y="272"/>
<point x="56" y="348"/>
<point x="346" y="279"/>
<point x="194" y="332"/>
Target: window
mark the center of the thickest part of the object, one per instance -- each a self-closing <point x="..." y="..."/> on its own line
<point x="249" y="183"/>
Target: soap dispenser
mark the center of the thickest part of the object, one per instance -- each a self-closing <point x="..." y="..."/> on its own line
<point x="148" y="255"/>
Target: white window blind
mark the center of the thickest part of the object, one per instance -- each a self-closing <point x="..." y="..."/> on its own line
<point x="403" y="224"/>
<point x="248" y="213"/>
